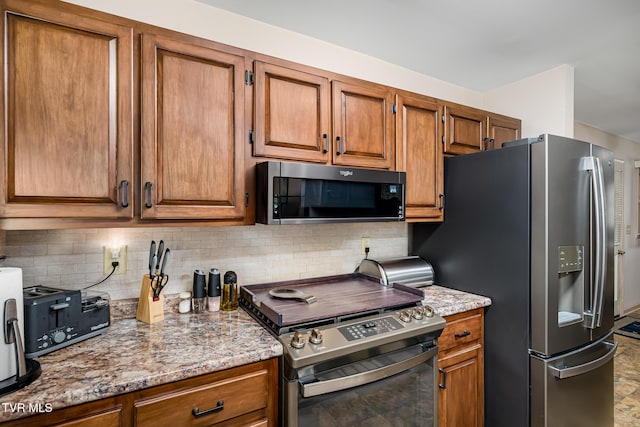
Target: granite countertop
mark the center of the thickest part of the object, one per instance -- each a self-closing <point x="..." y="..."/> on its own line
<point x="133" y="355"/>
<point x="446" y="301"/>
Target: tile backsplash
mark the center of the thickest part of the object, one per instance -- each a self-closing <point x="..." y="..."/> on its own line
<point x="73" y="259"/>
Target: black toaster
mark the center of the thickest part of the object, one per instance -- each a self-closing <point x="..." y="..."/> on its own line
<point x="55" y="318"/>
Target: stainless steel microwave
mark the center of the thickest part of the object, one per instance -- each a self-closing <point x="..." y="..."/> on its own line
<point x="301" y="193"/>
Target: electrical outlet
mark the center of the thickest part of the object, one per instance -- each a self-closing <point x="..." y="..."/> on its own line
<point x="366" y="244"/>
<point x="119" y="255"/>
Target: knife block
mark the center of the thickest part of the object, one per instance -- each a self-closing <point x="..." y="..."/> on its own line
<point x="149" y="311"/>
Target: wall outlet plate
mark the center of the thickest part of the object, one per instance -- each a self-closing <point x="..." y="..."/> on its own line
<point x="366" y="243"/>
<point x="121" y="258"/>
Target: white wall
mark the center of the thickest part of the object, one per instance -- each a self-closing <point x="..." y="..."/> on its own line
<point x="544" y="102"/>
<point x="628" y="151"/>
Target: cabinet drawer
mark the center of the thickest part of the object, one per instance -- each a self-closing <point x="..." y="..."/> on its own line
<point x="213" y="403"/>
<point x="460" y="330"/>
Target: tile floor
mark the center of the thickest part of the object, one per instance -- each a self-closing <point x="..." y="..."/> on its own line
<point x="627" y="378"/>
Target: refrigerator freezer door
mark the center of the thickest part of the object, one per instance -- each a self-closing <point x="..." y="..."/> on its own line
<point x="567" y="244"/>
<point x="574" y="389"/>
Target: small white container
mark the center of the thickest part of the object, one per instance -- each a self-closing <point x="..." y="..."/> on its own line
<point x="184" y="306"/>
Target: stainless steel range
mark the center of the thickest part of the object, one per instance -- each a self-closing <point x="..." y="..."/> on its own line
<point x="356" y="352"/>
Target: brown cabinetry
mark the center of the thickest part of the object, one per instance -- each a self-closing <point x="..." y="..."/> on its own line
<point x="418" y="133"/>
<point x="461" y="367"/>
<point x="67" y="147"/>
<point x="363" y="125"/>
<point x="302" y="114"/>
<point x="245" y="395"/>
<point x="292" y="114"/>
<point x="192" y="117"/>
<point x="469" y="130"/>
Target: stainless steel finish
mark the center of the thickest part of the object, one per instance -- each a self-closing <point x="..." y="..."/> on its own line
<point x="343" y="383"/>
<point x="266" y="171"/>
<point x="335" y="344"/>
<point x="297" y="340"/>
<point x="581" y="379"/>
<point x="563" y="371"/>
<point x="409" y="271"/>
<point x="316" y="336"/>
<point x="296" y="294"/>
<point x="12" y="335"/>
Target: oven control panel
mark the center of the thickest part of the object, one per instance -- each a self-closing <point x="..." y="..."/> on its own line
<point x="369" y="328"/>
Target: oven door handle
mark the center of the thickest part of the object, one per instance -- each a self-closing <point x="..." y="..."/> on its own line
<point x="343" y="383"/>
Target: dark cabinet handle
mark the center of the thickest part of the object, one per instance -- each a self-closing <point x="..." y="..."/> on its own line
<point x="443" y="384"/>
<point x="466" y="333"/>
<point x="124" y="185"/>
<point x="486" y="144"/>
<point x="441" y="196"/>
<point x="219" y="407"/>
<point x="147" y="189"/>
<point x="493" y="143"/>
<point x="325" y="136"/>
<point x="339" y="139"/>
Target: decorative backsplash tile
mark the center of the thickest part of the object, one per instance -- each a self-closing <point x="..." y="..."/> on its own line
<point x="73" y="259"/>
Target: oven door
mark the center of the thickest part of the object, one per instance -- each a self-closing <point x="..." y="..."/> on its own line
<point x="392" y="389"/>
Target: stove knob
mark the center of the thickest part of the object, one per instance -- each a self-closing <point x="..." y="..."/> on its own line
<point x="297" y="341"/>
<point x="316" y="336"/>
<point x="417" y="313"/>
<point x="405" y="316"/>
<point x="59" y="336"/>
<point x="428" y="311"/>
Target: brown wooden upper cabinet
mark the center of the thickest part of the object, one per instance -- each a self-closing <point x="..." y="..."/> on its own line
<point x="363" y="125"/>
<point x="418" y="133"/>
<point x="302" y="115"/>
<point x="192" y="118"/>
<point x="468" y="130"/>
<point x="292" y="114"/>
<point x="67" y="146"/>
<point x="503" y="129"/>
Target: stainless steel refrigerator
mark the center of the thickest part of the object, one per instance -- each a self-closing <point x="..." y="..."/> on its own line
<point x="531" y="227"/>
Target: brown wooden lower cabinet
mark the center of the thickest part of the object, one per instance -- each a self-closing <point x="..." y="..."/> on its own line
<point x="242" y="396"/>
<point x="461" y="371"/>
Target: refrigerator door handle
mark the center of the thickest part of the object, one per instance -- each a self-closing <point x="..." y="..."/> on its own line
<point x="593" y="316"/>
<point x="572" y="371"/>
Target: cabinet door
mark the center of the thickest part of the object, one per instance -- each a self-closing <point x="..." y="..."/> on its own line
<point x="503" y="129"/>
<point x="291" y="114"/>
<point x="465" y="130"/>
<point x="192" y="131"/>
<point x="67" y="144"/>
<point x="459" y="397"/>
<point x="420" y="155"/>
<point x="362" y="126"/>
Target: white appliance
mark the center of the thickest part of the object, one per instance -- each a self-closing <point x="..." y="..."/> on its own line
<point x="15" y="370"/>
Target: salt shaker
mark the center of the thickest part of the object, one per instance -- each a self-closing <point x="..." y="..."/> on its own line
<point x="184" y="306"/>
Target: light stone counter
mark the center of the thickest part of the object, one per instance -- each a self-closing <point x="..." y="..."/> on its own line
<point x="447" y="301"/>
<point x="133" y="355"/>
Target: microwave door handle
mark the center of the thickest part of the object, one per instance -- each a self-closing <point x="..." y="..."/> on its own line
<point x="362" y="378"/>
<point x="599" y="246"/>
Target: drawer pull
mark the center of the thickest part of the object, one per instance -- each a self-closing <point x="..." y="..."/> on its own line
<point x="466" y="333"/>
<point x="219" y="407"/>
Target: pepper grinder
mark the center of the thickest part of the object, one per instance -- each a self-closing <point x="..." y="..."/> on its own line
<point x="213" y="290"/>
<point x="229" y="300"/>
<point x="199" y="300"/>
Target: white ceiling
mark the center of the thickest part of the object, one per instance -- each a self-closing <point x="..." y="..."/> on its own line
<point x="483" y="44"/>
